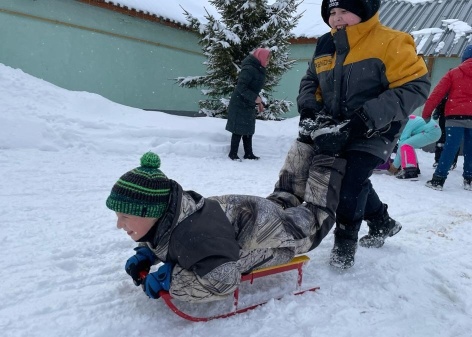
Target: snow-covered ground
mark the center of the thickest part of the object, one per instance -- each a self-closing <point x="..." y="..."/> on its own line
<point x="62" y="256"/>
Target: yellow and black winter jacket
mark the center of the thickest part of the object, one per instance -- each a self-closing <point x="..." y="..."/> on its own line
<point x="371" y="66"/>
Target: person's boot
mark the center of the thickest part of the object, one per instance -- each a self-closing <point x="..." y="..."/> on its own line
<point x="344" y="249"/>
<point x="408" y="173"/>
<point x="247" y="144"/>
<point x="380" y="228"/>
<point x="436" y="183"/>
<point x="233" y="152"/>
<point x="233" y="156"/>
<point x="251" y="156"/>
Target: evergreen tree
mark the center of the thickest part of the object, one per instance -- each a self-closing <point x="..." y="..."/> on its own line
<point x="244" y="26"/>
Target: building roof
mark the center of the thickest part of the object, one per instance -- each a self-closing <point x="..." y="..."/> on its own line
<point x="439" y="27"/>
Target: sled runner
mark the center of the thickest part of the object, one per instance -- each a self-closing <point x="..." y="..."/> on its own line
<point x="296" y="264"/>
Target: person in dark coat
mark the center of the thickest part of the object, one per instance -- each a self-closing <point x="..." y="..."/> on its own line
<point x="371" y="75"/>
<point x="242" y="105"/>
<point x="207" y="243"/>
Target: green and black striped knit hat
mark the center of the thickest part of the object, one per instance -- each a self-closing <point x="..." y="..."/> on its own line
<point x="143" y="191"/>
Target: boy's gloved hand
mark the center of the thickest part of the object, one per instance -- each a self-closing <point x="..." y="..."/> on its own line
<point x="159" y="280"/>
<point x="307" y="126"/>
<point x="139" y="263"/>
<point x="331" y="139"/>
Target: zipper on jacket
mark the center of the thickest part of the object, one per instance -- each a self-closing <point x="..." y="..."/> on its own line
<point x="348" y="79"/>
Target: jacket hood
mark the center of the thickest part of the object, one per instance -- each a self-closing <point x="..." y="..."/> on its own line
<point x="368" y="8"/>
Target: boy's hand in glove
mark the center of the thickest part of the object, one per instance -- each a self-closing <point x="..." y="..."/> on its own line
<point x="157" y="281"/>
<point x="309" y="125"/>
<point x="331" y="139"/>
<point x="140" y="263"/>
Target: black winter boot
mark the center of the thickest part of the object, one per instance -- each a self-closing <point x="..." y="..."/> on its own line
<point x="380" y="228"/>
<point x="436" y="183"/>
<point x="233" y="152"/>
<point x="344" y="249"/>
<point x="234" y="157"/>
<point x="247" y="144"/>
<point x="408" y="173"/>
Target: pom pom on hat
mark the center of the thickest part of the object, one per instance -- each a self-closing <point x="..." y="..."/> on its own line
<point x="143" y="191"/>
<point x="150" y="160"/>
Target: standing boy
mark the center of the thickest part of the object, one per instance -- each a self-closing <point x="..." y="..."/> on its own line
<point x="369" y="74"/>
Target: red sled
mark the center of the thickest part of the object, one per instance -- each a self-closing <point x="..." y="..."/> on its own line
<point x="296" y="264"/>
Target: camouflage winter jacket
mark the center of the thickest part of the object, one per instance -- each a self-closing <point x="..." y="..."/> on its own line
<point x="212" y="241"/>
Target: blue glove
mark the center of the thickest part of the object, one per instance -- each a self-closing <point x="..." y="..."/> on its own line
<point x="140" y="263"/>
<point x="159" y="280"/>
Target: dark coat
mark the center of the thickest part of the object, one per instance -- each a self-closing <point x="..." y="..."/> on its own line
<point x="242" y="105"/>
<point x="389" y="81"/>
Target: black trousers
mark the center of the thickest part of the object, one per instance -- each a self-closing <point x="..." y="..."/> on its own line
<point x="358" y="199"/>
<point x="247" y="144"/>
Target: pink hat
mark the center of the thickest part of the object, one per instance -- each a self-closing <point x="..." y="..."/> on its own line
<point x="262" y="54"/>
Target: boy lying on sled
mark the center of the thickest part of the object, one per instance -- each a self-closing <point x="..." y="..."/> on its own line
<point x="207" y="243"/>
